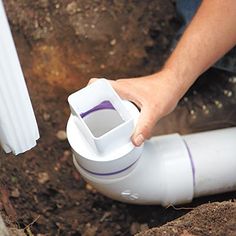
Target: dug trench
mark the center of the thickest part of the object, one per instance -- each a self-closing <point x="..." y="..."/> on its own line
<point x="61" y="44"/>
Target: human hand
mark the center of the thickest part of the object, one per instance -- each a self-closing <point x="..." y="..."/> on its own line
<point x="156" y="95"/>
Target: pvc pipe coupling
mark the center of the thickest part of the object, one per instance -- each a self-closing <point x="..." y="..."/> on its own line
<point x="168" y="169"/>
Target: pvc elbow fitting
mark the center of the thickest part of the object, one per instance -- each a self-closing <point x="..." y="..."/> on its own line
<point x="169" y="169"/>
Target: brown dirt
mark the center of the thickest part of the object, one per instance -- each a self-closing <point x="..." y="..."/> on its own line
<point x="203" y="220"/>
<point x="61" y="45"/>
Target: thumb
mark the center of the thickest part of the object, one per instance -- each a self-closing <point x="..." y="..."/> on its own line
<point x="146" y="122"/>
<point x="92" y="80"/>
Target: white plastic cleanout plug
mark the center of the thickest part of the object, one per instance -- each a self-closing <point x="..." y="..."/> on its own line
<point x="18" y="127"/>
<point x="169" y="169"/>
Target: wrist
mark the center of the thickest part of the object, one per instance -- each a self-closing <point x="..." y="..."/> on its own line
<point x="174" y="83"/>
<point x="179" y="80"/>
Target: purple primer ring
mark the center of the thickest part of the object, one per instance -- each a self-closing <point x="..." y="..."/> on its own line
<point x="191" y="161"/>
<point x="111" y="173"/>
<point x="103" y="105"/>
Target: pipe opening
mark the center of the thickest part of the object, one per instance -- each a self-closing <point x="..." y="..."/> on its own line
<point x="102" y="119"/>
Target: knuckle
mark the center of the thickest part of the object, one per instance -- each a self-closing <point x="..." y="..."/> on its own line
<point x="92" y="80"/>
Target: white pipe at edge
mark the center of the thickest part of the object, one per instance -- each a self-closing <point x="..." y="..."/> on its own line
<point x="169" y="169"/>
<point x="18" y="127"/>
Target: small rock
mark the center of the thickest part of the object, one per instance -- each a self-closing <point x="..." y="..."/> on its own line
<point x="66" y="156"/>
<point x="57" y="167"/>
<point x="90" y="188"/>
<point x="111" y="53"/>
<point x="106" y="215"/>
<point x="15" y="193"/>
<point x="113" y="42"/>
<point x="61" y="135"/>
<point x="43" y="177"/>
<point x="90" y="230"/>
<point x="46" y="116"/>
<point x="144" y="227"/>
<point x="71" y="8"/>
<point x="134" y="228"/>
<point x="67" y="153"/>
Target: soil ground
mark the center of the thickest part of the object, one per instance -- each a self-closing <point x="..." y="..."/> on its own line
<point x="61" y="44"/>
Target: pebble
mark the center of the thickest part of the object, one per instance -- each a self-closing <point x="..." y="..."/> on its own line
<point x="71" y="8"/>
<point x="232" y="80"/>
<point x="204" y="107"/>
<point x="113" y="42"/>
<point x="111" y="53"/>
<point x="61" y="135"/>
<point x="67" y="153"/>
<point x="134" y="228"/>
<point x="192" y="112"/>
<point x="46" y="116"/>
<point x="43" y="177"/>
<point x="15" y="193"/>
<point x="228" y="93"/>
<point x="218" y="104"/>
<point x="90" y="188"/>
<point x="106" y="215"/>
<point x="144" y="227"/>
<point x="90" y="230"/>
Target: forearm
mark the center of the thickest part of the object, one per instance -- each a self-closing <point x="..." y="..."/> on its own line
<point x="209" y="36"/>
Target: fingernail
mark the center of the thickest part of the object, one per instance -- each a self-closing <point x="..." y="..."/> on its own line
<point x="138" y="140"/>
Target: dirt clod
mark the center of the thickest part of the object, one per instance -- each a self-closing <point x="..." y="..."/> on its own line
<point x="134" y="228"/>
<point x="43" y="177"/>
<point x="15" y="193"/>
<point x="61" y="135"/>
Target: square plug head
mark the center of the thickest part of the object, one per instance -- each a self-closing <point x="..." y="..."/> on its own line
<point x="102" y="117"/>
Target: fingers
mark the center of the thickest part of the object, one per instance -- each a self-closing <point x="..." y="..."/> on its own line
<point x="146" y="122"/>
<point x="127" y="89"/>
<point x="123" y="88"/>
<point x="92" y="80"/>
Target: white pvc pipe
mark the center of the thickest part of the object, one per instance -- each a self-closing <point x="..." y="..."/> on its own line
<point x="214" y="161"/>
<point x="169" y="169"/>
<point x="18" y="127"/>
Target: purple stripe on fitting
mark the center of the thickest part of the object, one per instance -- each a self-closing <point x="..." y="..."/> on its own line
<point x="111" y="173"/>
<point x="191" y="161"/>
<point x="101" y="106"/>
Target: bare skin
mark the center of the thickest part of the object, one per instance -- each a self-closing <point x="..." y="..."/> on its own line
<point x="211" y="33"/>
